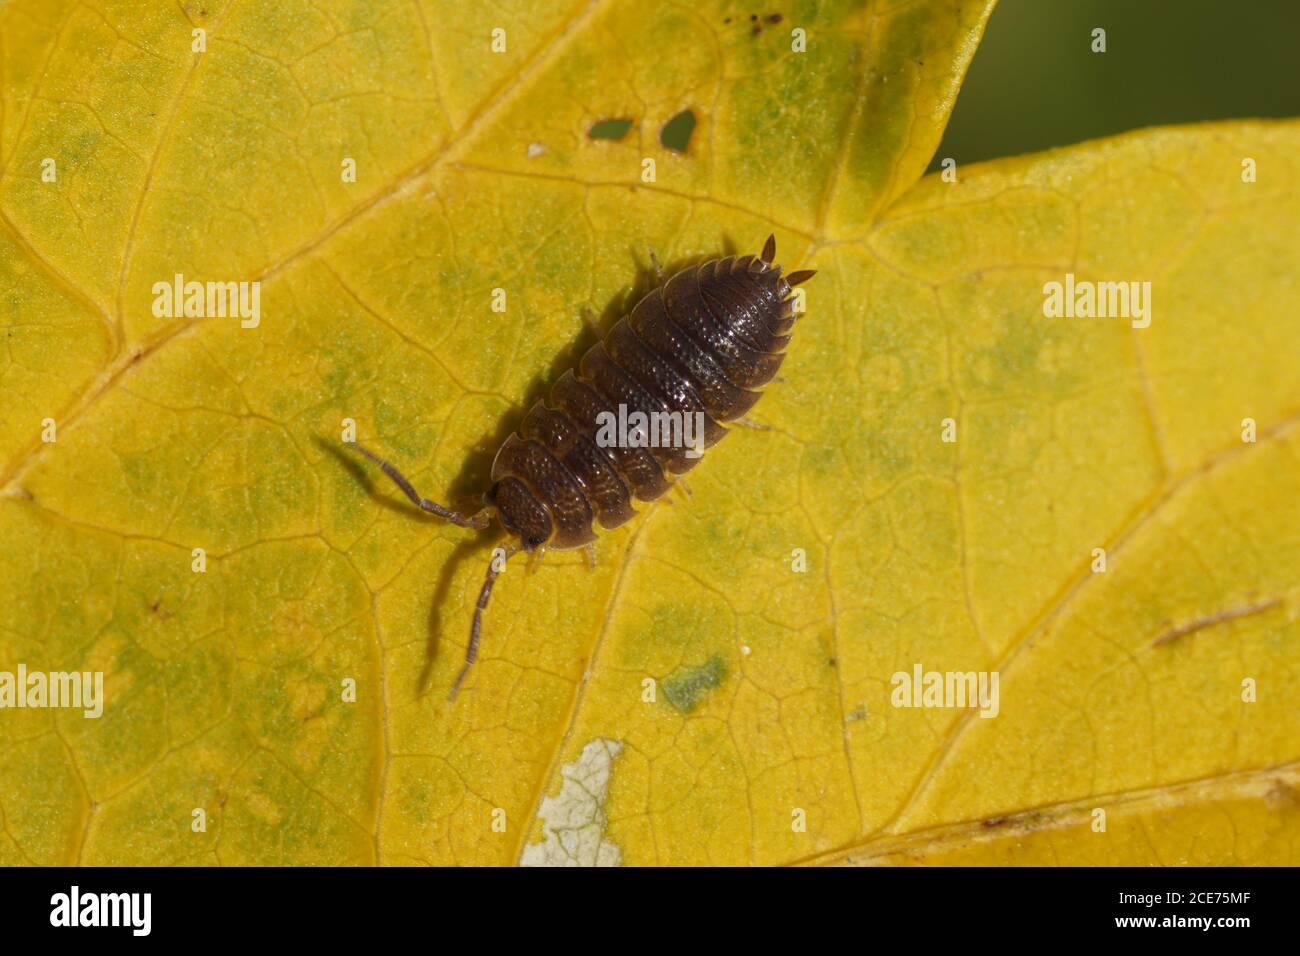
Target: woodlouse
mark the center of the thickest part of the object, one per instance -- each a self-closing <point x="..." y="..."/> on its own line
<point x="702" y="343"/>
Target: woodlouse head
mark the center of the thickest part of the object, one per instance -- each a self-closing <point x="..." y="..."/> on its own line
<point x="520" y="513"/>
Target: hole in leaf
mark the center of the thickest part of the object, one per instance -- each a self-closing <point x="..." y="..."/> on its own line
<point x="676" y="133"/>
<point x="614" y="129"/>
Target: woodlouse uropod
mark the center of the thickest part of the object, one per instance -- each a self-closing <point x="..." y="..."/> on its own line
<point x="701" y="343"/>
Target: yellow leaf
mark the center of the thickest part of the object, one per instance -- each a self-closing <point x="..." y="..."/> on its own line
<point x="275" y="696"/>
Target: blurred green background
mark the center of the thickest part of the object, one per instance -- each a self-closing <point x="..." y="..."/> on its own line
<point x="1035" y="82"/>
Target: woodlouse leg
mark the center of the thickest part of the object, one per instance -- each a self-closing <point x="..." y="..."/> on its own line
<point x="590" y="551"/>
<point x="479" y="519"/>
<point x="681" y="484"/>
<point x="535" y="561"/>
<point x="593" y="323"/>
<point x="750" y="423"/>
<point x="657" y="266"/>
<point x="476" y="629"/>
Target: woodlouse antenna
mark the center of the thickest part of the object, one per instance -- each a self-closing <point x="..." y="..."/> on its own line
<point x="769" y="250"/>
<point x="479" y="519"/>
<point x="476" y="629"/>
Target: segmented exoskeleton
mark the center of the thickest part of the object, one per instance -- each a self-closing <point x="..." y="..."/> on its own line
<point x="703" y="344"/>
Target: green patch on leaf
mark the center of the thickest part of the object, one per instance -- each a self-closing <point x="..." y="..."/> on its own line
<point x="688" y="686"/>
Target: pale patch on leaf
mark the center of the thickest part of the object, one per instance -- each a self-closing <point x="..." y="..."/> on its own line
<point x="573" y="822"/>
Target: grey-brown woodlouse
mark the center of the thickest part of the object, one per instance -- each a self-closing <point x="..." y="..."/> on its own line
<point x="701" y="343"/>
